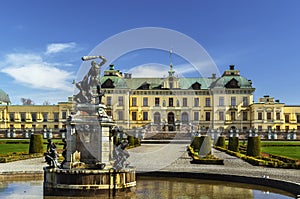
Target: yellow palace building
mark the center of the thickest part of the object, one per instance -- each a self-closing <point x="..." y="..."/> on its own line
<point x="166" y="103"/>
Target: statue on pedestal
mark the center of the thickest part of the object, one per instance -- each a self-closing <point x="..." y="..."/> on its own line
<point x="90" y="81"/>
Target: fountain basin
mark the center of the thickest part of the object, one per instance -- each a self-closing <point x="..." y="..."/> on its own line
<point x="88" y="182"/>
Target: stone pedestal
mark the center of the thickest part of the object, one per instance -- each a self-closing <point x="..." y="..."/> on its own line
<point x="89" y="134"/>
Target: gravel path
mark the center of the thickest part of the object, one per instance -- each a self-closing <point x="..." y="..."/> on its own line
<point x="173" y="158"/>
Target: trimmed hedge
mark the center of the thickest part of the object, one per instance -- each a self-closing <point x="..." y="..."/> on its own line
<point x="253" y="147"/>
<point x="130" y="140"/>
<point x="221" y="142"/>
<point x="196" y="144"/>
<point x="263" y="161"/>
<point x="233" y="144"/>
<point x="36" y="144"/>
<point x="19" y="156"/>
<point x="209" y="159"/>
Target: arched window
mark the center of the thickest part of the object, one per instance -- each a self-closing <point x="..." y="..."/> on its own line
<point x="185" y="117"/>
<point x="156" y="118"/>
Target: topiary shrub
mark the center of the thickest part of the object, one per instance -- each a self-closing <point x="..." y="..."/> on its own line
<point x="137" y="142"/>
<point x="221" y="142"/>
<point x="196" y="144"/>
<point x="233" y="144"/>
<point x="205" y="146"/>
<point x="253" y="146"/>
<point x="115" y="140"/>
<point x="36" y="143"/>
<point x="130" y="140"/>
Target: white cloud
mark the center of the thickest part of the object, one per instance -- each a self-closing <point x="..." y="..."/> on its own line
<point x="59" y="47"/>
<point x="149" y="70"/>
<point x="161" y="70"/>
<point x="31" y="70"/>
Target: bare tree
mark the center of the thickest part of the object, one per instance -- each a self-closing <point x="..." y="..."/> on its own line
<point x="46" y="102"/>
<point x="27" y="101"/>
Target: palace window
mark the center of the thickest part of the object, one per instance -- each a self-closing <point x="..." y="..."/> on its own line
<point x="108" y="100"/>
<point x="259" y="115"/>
<point x="171" y="102"/>
<point x="298" y="118"/>
<point x="278" y="116"/>
<point x="120" y="115"/>
<point x="232" y="115"/>
<point x="233" y="101"/>
<point x="64" y="115"/>
<point x="23" y="117"/>
<point x="133" y="115"/>
<point x="12" y="117"/>
<point x="184" y="117"/>
<point x="221" y="116"/>
<point x="184" y="102"/>
<point x="207" y="116"/>
<point x="207" y="102"/>
<point x="196" y="116"/>
<point x="33" y="116"/>
<point x="133" y="101"/>
<point x="156" y="101"/>
<point x="145" y="116"/>
<point x="245" y="116"/>
<point x="287" y="118"/>
<point x="145" y="101"/>
<point x="156" y="118"/>
<point x="120" y="101"/>
<point x="245" y="101"/>
<point x="221" y="101"/>
<point x="56" y="117"/>
<point x="196" y="102"/>
<point x="45" y="117"/>
<point x="259" y="128"/>
<point x="269" y="116"/>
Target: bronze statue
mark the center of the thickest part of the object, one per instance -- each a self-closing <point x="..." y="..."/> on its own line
<point x="90" y="81"/>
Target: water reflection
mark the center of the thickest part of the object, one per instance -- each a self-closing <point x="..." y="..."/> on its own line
<point x="159" y="188"/>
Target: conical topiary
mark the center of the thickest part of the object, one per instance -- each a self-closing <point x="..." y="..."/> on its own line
<point x="196" y="144"/>
<point x="253" y="146"/>
<point x="130" y="140"/>
<point x="233" y="144"/>
<point x="36" y="143"/>
<point x="221" y="141"/>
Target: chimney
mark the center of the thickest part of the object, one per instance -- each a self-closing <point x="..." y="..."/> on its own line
<point x="111" y="67"/>
<point x="231" y="67"/>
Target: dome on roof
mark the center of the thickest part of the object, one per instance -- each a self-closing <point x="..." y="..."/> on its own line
<point x="4" y="97"/>
<point x="232" y="82"/>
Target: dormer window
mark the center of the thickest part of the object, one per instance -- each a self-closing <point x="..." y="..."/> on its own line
<point x="196" y="86"/>
<point x="108" y="84"/>
<point x="233" y="83"/>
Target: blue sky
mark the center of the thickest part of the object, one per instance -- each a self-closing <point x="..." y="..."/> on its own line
<point x="42" y="42"/>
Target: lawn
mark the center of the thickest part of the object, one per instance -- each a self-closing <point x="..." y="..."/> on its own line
<point x="287" y="151"/>
<point x="10" y="146"/>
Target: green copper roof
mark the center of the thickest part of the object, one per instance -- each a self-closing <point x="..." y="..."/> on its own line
<point x="222" y="81"/>
<point x="4" y="97"/>
<point x="186" y="83"/>
<point x="230" y="79"/>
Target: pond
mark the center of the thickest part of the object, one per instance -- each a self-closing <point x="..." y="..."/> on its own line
<point x="150" y="187"/>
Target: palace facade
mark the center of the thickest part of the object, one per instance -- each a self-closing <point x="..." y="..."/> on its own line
<point x="167" y="104"/>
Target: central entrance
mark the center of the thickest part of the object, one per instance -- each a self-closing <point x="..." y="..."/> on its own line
<point x="171" y="121"/>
